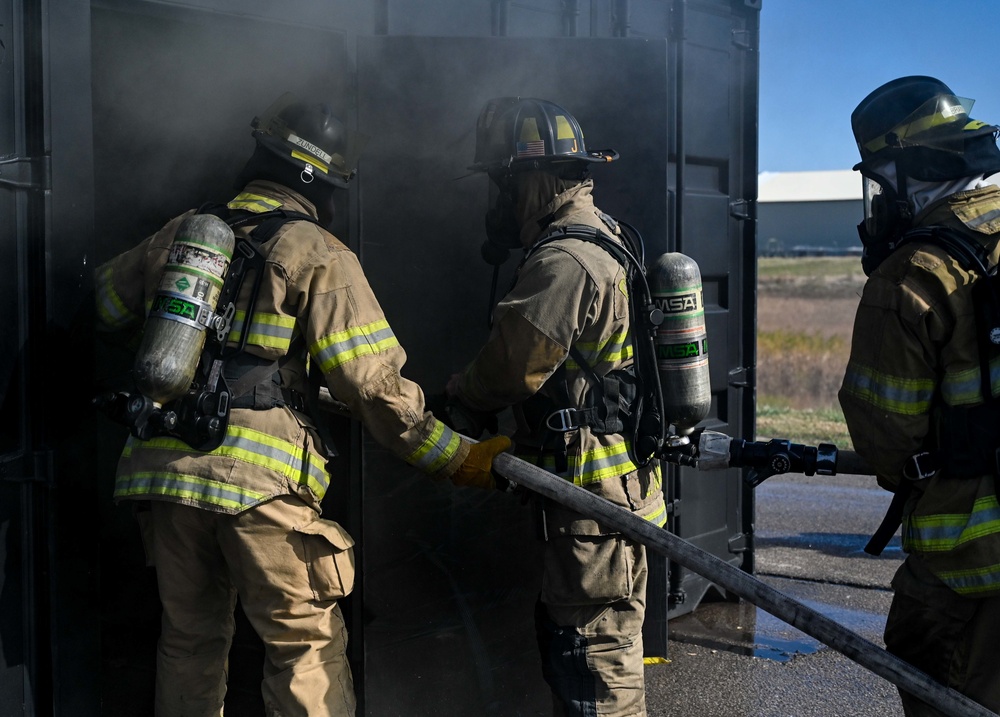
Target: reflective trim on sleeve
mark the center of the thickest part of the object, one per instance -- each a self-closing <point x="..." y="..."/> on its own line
<point x="962" y="388"/>
<point x="177" y="485"/>
<point x="339" y="348"/>
<point x="659" y="517"/>
<point x="614" y="349"/>
<point x="245" y="444"/>
<point x="267" y="330"/>
<point x="434" y="453"/>
<point x="256" y="203"/>
<point x="905" y="396"/>
<point x="111" y="310"/>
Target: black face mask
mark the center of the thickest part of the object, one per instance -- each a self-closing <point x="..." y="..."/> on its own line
<point x="887" y="217"/>
<point x="503" y="232"/>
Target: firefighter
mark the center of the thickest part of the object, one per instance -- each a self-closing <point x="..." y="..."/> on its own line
<point x="566" y="316"/>
<point x="245" y="518"/>
<point x="920" y="390"/>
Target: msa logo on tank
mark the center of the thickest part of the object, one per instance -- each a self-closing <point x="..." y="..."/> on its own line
<point x="682" y="334"/>
<point x="688" y="307"/>
<point x="191" y="281"/>
<point x="681" y="339"/>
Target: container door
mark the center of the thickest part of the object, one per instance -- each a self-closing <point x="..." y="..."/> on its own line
<point x="452" y="575"/>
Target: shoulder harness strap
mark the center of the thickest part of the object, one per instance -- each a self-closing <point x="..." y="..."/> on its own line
<point x="630" y="400"/>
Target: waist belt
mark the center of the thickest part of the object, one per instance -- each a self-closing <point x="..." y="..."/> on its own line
<point x="256" y="383"/>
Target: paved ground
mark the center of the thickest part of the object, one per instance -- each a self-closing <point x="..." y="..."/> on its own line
<point x="734" y="660"/>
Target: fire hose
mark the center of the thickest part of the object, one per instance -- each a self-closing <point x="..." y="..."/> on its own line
<point x="765" y="459"/>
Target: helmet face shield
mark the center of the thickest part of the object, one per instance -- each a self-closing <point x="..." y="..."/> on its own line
<point x="311" y="137"/>
<point x="940" y="123"/>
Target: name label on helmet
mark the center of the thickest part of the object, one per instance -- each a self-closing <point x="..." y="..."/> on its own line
<point x="310" y="147"/>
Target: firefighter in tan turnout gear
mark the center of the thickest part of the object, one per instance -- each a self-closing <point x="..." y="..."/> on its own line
<point x="565" y="318"/>
<point x="922" y="390"/>
<point x="244" y="518"/>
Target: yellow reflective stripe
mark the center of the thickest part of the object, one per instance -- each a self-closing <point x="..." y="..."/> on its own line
<point x="946" y="531"/>
<point x="180" y="485"/>
<point x="267" y="330"/>
<point x="257" y="448"/>
<point x="659" y="517"/>
<point x="339" y="348"/>
<point x="973" y="581"/>
<point x="603" y="462"/>
<point x="256" y="203"/>
<point x="593" y="466"/>
<point x="321" y="166"/>
<point x="613" y="349"/>
<point x="110" y="308"/>
<point x="981" y="216"/>
<point x="905" y="396"/>
<point x="434" y="453"/>
<point x="965" y="387"/>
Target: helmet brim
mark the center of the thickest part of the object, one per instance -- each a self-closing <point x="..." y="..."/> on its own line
<point x="514" y="164"/>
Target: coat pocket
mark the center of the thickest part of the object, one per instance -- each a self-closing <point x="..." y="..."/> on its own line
<point x="329" y="553"/>
<point x="587" y="570"/>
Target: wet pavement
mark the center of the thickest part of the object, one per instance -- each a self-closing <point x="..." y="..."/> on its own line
<point x="731" y="659"/>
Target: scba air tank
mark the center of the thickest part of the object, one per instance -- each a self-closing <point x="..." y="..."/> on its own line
<point x="183" y="308"/>
<point x="681" y="340"/>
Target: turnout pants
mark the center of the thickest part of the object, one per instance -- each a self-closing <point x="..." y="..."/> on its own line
<point x="288" y="567"/>
<point x="589" y="625"/>
<point x="952" y="638"/>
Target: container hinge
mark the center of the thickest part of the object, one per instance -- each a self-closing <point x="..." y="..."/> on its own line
<point x="743" y="39"/>
<point x="24" y="172"/>
<point x="740" y="543"/>
<point x="740" y="209"/>
<point x="741" y="377"/>
<point x="673" y="507"/>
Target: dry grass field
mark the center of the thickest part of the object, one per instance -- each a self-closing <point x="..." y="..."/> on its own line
<point x="805" y="312"/>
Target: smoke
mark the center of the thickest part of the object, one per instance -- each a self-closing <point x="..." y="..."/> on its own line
<point x="177" y="84"/>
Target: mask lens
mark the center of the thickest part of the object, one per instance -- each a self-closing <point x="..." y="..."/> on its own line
<point x="874" y="205"/>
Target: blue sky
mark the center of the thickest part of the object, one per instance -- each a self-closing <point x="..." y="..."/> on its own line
<point x="819" y="58"/>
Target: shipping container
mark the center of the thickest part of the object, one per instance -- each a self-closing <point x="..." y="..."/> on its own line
<point x="120" y="114"/>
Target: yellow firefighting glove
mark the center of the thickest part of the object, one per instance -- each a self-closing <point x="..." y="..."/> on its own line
<point x="476" y="469"/>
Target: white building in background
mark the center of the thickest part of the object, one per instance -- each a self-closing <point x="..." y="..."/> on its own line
<point x="802" y="213"/>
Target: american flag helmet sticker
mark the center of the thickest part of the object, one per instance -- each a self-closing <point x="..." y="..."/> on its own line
<point x="534" y="148"/>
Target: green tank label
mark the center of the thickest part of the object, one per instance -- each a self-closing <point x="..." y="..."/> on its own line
<point x="174" y="306"/>
<point x="690" y="349"/>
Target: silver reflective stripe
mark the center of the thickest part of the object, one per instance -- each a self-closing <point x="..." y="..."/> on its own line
<point x="176" y="485"/>
<point x="339" y="348"/>
<point x="435" y="452"/>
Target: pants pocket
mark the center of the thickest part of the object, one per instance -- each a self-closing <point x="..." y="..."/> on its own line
<point x="329" y="553"/>
<point x="587" y="570"/>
